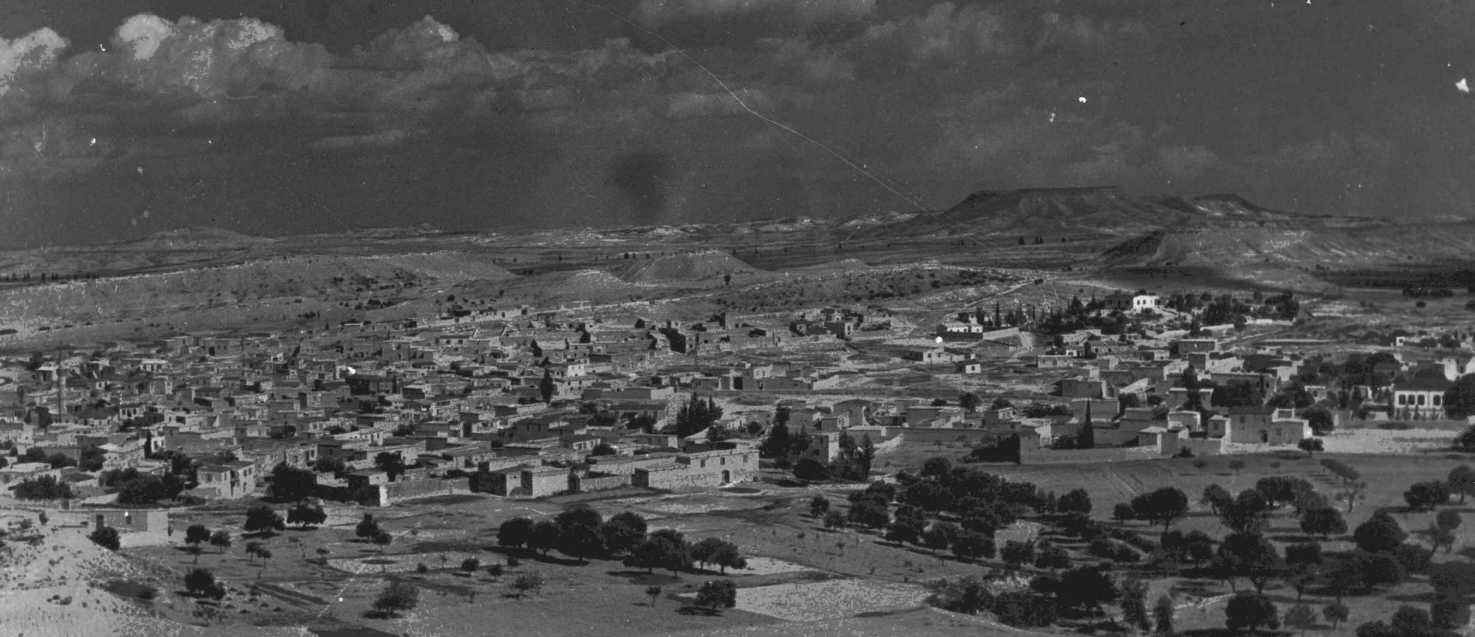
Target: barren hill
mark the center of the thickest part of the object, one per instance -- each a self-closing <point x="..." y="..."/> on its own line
<point x="1108" y="210"/>
<point x="689" y="267"/>
<point x="246" y="285"/>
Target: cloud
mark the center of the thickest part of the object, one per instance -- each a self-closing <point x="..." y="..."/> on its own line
<point x="1082" y="33"/>
<point x="946" y="34"/>
<point x="205" y="59"/>
<point x="656" y="13"/>
<point x="719" y="104"/>
<point x="27" y="55"/>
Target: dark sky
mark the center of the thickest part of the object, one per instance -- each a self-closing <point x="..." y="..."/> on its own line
<point x="120" y="118"/>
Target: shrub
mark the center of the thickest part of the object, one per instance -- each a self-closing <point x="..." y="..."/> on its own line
<point x="201" y="583"/>
<point x="1114" y="550"/>
<point x="397" y="596"/>
<point x="106" y="537"/>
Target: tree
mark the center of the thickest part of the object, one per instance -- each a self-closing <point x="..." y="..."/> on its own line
<point x="663" y="549"/>
<point x="544" y="536"/>
<point x="869" y="512"/>
<point x="391" y="463"/>
<point x="262" y="520"/>
<point x="1165" y="506"/>
<point x="697" y="415"/>
<point x="515" y="532"/>
<point x="1319" y="419"/>
<point x="201" y="583"/>
<point x="777" y="443"/>
<point x="936" y="467"/>
<point x="1448" y="519"/>
<point x="1162" y="614"/>
<point x="1462" y="481"/>
<point x="718" y="551"/>
<point x="367" y="528"/>
<point x="1249" y="513"/>
<point x="818" y="506"/>
<point x="834" y="520"/>
<point x="1251" y="556"/>
<point x="1134" y="604"/>
<point x="43" y="488"/>
<point x="1459" y="399"/>
<point x="290" y="484"/>
<point x="1423" y="496"/>
<point x="1051" y="557"/>
<point x="811" y="469"/>
<point x="623" y="531"/>
<point x="1352" y="485"/>
<point x="1217" y="498"/>
<point x="1016" y="553"/>
<point x="106" y="537"/>
<point x="1085" y="588"/>
<point x="1075" y="502"/>
<point x="397" y="596"/>
<point x="1250" y="611"/>
<point x="196" y="535"/>
<point x="527" y="583"/>
<point x="1194" y="546"/>
<point x="1379" y="533"/>
<point x="653" y="592"/>
<point x="306" y="514"/>
<point x="968" y="545"/>
<point x="546" y="387"/>
<point x="969" y="401"/>
<point x="1300" y="617"/>
<point x="578" y="532"/>
<point x="1311" y="446"/>
<point x="1336" y="613"/>
<point x="1466" y="440"/>
<point x="716" y="595"/>
<point x="1325" y="522"/>
<point x="220" y="539"/>
<point x="939" y="536"/>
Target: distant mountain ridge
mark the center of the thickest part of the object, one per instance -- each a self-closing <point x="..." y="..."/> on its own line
<point x="1101" y="210"/>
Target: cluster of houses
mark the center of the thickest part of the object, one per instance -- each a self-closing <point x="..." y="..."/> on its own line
<point x="523" y="403"/>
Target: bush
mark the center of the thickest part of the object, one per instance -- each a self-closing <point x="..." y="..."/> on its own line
<point x="470" y="564"/>
<point x="1413" y="558"/>
<point x="106" y="537"/>
<point x="397" y="596"/>
<point x="201" y="583"/>
<point x="1114" y="550"/>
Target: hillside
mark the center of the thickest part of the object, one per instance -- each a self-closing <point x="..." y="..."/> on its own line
<point x="1056" y="212"/>
<point x="689" y="267"/>
<point x="243" y="288"/>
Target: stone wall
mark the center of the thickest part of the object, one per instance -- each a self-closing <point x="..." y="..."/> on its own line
<point x="597" y="482"/>
<point x="429" y="487"/>
<point x="124" y="520"/>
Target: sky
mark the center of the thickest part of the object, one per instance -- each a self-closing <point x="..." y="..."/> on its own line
<point x="121" y="118"/>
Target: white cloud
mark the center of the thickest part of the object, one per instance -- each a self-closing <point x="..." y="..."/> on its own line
<point x="31" y="53"/>
<point x="143" y="34"/>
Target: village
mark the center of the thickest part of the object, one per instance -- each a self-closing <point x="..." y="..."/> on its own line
<point x="483" y="407"/>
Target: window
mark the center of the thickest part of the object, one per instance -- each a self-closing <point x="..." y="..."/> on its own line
<point x="1421" y="399"/>
<point x="1438" y="399"/>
